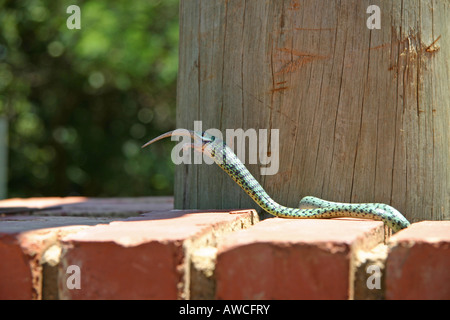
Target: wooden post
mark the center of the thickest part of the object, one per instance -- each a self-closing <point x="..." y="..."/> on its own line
<point x="363" y="113"/>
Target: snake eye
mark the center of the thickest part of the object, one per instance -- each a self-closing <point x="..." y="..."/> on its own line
<point x="206" y="138"/>
<point x="209" y="139"/>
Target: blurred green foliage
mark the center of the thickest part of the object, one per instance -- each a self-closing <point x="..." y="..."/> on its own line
<point x="80" y="103"/>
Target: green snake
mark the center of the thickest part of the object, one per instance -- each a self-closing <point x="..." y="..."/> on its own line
<point x="309" y="207"/>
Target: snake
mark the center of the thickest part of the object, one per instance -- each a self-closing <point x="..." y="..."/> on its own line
<point x="309" y="207"/>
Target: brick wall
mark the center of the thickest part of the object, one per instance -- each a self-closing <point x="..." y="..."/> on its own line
<point x="139" y="248"/>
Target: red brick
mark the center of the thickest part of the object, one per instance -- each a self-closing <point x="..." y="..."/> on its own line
<point x="15" y="271"/>
<point x="418" y="264"/>
<point x="23" y="240"/>
<point x="40" y="202"/>
<point x="81" y="206"/>
<point x="292" y="259"/>
<point x="141" y="258"/>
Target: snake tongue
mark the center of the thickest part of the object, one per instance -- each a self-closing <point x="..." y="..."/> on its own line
<point x="178" y="132"/>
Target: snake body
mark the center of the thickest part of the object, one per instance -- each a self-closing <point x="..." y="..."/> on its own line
<point x="310" y="207"/>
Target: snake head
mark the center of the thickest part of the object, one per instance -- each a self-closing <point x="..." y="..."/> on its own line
<point x="201" y="140"/>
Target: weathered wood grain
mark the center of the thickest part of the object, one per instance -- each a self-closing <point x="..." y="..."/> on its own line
<point x="363" y="115"/>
